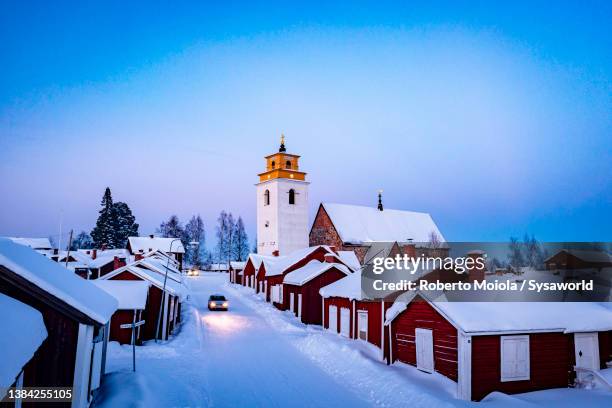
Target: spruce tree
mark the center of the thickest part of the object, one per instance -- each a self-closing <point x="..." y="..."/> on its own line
<point x="103" y="232"/>
<point x="124" y="224"/>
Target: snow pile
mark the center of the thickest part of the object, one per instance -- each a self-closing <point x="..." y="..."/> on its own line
<point x="349" y="259"/>
<point x="131" y="295"/>
<point x="358" y="224"/>
<point x="22" y="331"/>
<point x="57" y="280"/>
<point x="148" y="244"/>
<point x="100" y="261"/>
<point x="311" y="270"/>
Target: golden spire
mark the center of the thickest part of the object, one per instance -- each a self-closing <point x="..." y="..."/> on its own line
<point x="282" y="145"/>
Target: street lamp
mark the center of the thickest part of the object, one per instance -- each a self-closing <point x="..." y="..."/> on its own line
<point x="161" y="304"/>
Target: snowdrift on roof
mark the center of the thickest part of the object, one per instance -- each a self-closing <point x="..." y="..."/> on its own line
<point x="131" y="295"/>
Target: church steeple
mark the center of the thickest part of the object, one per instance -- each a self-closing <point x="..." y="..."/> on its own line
<point x="282" y="149"/>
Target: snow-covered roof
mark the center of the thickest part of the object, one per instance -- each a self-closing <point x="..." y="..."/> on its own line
<point x="311" y="270"/>
<point x="22" y="331"/>
<point x="34" y="243"/>
<point x="147" y="244"/>
<point x="587" y="255"/>
<point x="276" y="265"/>
<point x="100" y="261"/>
<point x="257" y="259"/>
<point x="160" y="265"/>
<point x="57" y="280"/>
<point x="173" y="286"/>
<point x="349" y="259"/>
<point x="131" y="294"/>
<point x="237" y="265"/>
<point x="218" y="267"/>
<point x="358" y="224"/>
<point x="481" y="318"/>
<point x="348" y="287"/>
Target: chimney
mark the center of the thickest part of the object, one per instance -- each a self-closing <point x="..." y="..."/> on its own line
<point x="333" y="248"/>
<point x="138" y="257"/>
<point x="476" y="273"/>
<point x="117" y="263"/>
<point x="94" y="254"/>
<point x="329" y="258"/>
<point x="275" y="253"/>
<point x="380" y="206"/>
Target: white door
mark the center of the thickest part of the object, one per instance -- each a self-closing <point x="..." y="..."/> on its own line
<point x="333" y="319"/>
<point x="299" y="311"/>
<point x="345" y="322"/>
<point x="587" y="350"/>
<point x="362" y="324"/>
<point x="292" y="302"/>
<point x="424" y="350"/>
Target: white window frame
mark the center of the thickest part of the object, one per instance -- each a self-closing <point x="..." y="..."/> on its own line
<point x="503" y="357"/>
<point x="361" y="313"/>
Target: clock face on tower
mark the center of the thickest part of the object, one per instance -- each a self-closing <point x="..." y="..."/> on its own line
<point x="282" y="204"/>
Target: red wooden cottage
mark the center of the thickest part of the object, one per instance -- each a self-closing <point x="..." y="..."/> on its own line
<point x="173" y="247"/>
<point x="271" y="273"/>
<point x="75" y="313"/>
<point x="236" y="269"/>
<point x="131" y="296"/>
<point x="348" y="311"/>
<point x="507" y="347"/>
<point x="578" y="259"/>
<point x="147" y="270"/>
<point x="22" y="331"/>
<point x="301" y="288"/>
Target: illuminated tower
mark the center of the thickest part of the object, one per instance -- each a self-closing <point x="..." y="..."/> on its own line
<point x="282" y="205"/>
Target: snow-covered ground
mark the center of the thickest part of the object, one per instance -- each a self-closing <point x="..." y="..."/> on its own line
<point x="257" y="356"/>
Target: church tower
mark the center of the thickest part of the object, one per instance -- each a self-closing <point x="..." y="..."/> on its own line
<point x="282" y="205"/>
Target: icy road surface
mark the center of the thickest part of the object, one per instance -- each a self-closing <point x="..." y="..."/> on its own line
<point x="256" y="356"/>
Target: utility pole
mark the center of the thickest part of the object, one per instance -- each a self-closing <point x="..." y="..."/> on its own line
<point x="68" y="252"/>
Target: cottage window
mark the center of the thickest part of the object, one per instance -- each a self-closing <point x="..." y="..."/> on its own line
<point x="292" y="196"/>
<point x="514" y="358"/>
<point x="267" y="197"/>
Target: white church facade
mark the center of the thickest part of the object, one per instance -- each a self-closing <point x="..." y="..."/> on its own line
<point x="282" y="205"/>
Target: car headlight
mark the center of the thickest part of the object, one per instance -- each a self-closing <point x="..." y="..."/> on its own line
<point x="224" y="304"/>
<point x="212" y="304"/>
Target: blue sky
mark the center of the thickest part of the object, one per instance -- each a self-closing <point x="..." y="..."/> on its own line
<point x="496" y="120"/>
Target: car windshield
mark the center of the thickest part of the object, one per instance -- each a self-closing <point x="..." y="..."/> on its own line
<point x="217" y="297"/>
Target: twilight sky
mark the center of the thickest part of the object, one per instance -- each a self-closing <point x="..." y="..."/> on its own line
<point x="496" y="120"/>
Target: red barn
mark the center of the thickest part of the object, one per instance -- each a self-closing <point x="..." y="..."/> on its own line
<point x="132" y="298"/>
<point x="301" y="288"/>
<point x="75" y="314"/>
<point x="507" y="347"/>
<point x="171" y="306"/>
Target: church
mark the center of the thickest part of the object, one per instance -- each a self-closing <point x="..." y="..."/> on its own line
<point x="283" y="225"/>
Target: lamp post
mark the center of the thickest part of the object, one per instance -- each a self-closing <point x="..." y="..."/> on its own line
<point x="163" y="298"/>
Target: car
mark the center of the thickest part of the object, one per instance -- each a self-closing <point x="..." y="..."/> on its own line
<point x="217" y="302"/>
<point x="193" y="272"/>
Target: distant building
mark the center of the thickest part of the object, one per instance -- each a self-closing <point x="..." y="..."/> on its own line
<point x="170" y="246"/>
<point x="578" y="259"/>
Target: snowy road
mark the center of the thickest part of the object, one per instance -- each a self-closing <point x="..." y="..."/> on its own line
<point x="257" y="356"/>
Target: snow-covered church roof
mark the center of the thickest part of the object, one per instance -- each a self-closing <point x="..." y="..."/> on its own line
<point x="359" y="224"/>
<point x="151" y="243"/>
<point x="22" y="331"/>
<point x="60" y="282"/>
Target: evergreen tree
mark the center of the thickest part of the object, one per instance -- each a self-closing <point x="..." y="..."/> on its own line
<point x="124" y="224"/>
<point x="82" y="241"/>
<point x="173" y="228"/>
<point x="194" y="231"/>
<point x="225" y="236"/>
<point x="240" y="242"/>
<point x="103" y="233"/>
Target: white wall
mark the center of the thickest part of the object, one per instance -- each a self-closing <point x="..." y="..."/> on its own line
<point x="288" y="223"/>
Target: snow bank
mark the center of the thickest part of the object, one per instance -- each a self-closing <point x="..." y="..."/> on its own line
<point x="57" y="280"/>
<point x="22" y="331"/>
<point x="348" y="287"/>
